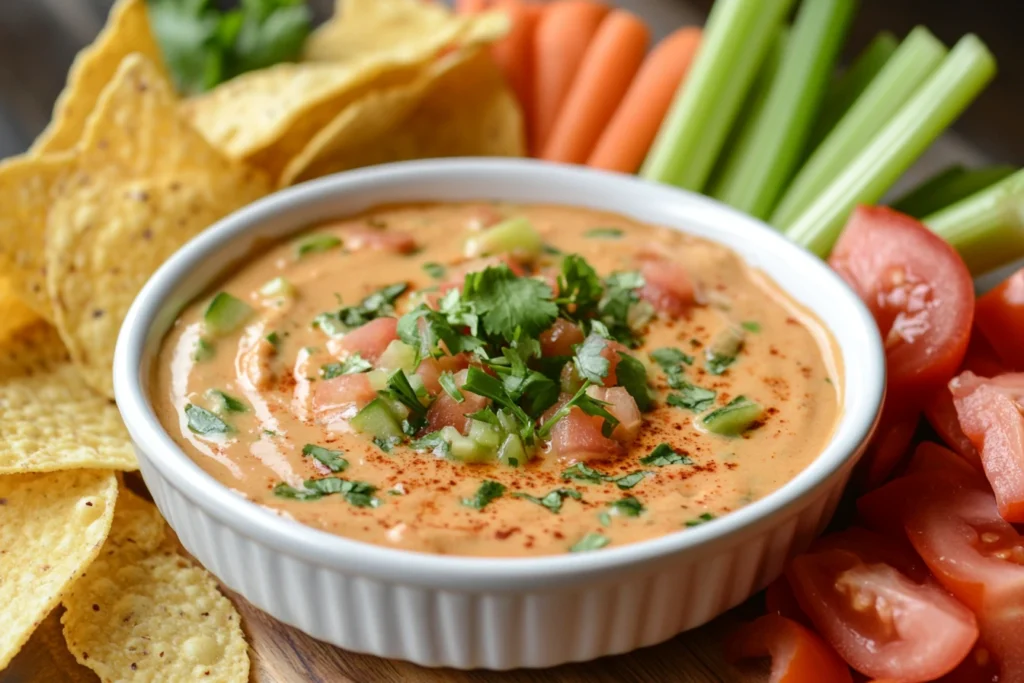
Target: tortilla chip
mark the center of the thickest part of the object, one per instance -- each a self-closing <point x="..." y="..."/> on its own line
<point x="267" y="117"/>
<point x="127" y="31"/>
<point x="142" y="612"/>
<point x="14" y="314"/>
<point x="459" y="107"/>
<point x="49" y="417"/>
<point x="51" y="527"/>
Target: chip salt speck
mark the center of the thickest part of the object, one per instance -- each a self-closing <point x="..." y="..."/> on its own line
<point x="51" y="527"/>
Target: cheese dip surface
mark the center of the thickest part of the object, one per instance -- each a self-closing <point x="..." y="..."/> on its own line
<point x="498" y="380"/>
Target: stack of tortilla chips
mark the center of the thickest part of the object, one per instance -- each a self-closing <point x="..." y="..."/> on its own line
<point x="125" y="174"/>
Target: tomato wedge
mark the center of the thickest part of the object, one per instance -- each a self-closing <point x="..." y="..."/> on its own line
<point x="1000" y="317"/>
<point x="978" y="557"/>
<point x="990" y="416"/>
<point x="798" y="655"/>
<point x="889" y="444"/>
<point x="779" y="599"/>
<point x="931" y="457"/>
<point x="883" y="616"/>
<point x="919" y="291"/>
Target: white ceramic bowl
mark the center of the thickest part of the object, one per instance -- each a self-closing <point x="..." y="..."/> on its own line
<point x="476" y="612"/>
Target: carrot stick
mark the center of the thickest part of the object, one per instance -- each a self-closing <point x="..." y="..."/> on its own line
<point x="470" y="6"/>
<point x="563" y="33"/>
<point x="608" y="67"/>
<point x="628" y="136"/>
<point x="514" y="52"/>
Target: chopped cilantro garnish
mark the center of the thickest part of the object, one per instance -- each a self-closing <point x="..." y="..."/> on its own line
<point x="553" y="500"/>
<point x="751" y="326"/>
<point x="202" y="421"/>
<point x="386" y="443"/>
<point x="376" y="305"/>
<point x="588" y="405"/>
<point x="447" y="382"/>
<point x="592" y="541"/>
<point x="551" y="249"/>
<point x="663" y="454"/>
<point x="225" y="403"/>
<point x="325" y="456"/>
<point x="434" y="270"/>
<point x="488" y="491"/>
<point x="583" y="472"/>
<point x="315" y="244"/>
<point x="628" y="481"/>
<point x="579" y="288"/>
<point x="434" y="442"/>
<point x="692" y="397"/>
<point x="400" y="389"/>
<point x="274" y="339"/>
<point x="670" y="358"/>
<point x="632" y="376"/>
<point x="627" y="507"/>
<point x="507" y="304"/>
<point x="620" y="295"/>
<point x="203" y="350"/>
<point x="604" y="518"/>
<point x="604" y="233"/>
<point x="716" y="364"/>
<point x="356" y="493"/>
<point x="352" y="365"/>
<point x="697" y="521"/>
<point x="724" y="349"/>
<point x="590" y="364"/>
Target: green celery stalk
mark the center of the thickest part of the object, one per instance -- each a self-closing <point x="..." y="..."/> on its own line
<point x="769" y="147"/>
<point x="987" y="228"/>
<point x="736" y="39"/>
<point x="844" y="91"/>
<point x="949" y="187"/>
<point x="916" y="59"/>
<point x="935" y="105"/>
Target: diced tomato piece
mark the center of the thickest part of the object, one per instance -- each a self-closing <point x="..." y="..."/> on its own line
<point x="578" y="437"/>
<point x="368" y="340"/>
<point x="882" y="509"/>
<point x="667" y="286"/>
<point x="430" y="369"/>
<point x="978" y="667"/>
<point x="920" y="293"/>
<point x="881" y="620"/>
<point x="798" y="655"/>
<point x="889" y="444"/>
<point x="1000" y="317"/>
<point x="445" y="411"/>
<point x="623" y="408"/>
<point x="779" y="599"/>
<point x="978" y="557"/>
<point x="990" y="416"/>
<point x="341" y="397"/>
<point x="559" y="339"/>
<point x="931" y="457"/>
<point x="379" y="239"/>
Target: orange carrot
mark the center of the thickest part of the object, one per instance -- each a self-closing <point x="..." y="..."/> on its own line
<point x="627" y="137"/>
<point x="514" y="52"/>
<point x="470" y="6"/>
<point x="608" y="68"/>
<point x="563" y="33"/>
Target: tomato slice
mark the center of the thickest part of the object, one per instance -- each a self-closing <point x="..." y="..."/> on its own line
<point x="1000" y="317"/>
<point x="990" y="416"/>
<point x="882" y="621"/>
<point x="919" y="291"/>
<point x="978" y="557"/>
<point x="931" y="457"/>
<point x="889" y="444"/>
<point x="798" y="655"/>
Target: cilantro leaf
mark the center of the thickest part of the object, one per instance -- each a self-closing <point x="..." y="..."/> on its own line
<point x="590" y="363"/>
<point x="434" y="270"/>
<point x="620" y="295"/>
<point x="592" y="541"/>
<point x="663" y="454"/>
<point x="507" y="303"/>
<point x="356" y="493"/>
<point x="401" y="390"/>
<point x="628" y="481"/>
<point x="488" y="491"/>
<point x="586" y="403"/>
<point x="583" y="472"/>
<point x="632" y="376"/>
<point x="553" y="500"/>
<point x="447" y="382"/>
<point x="352" y="365"/>
<point x="627" y="507"/>
<point x="604" y="233"/>
<point x="225" y="403"/>
<point x="716" y="363"/>
<point x="376" y="305"/>
<point x="700" y="519"/>
<point x="579" y="288"/>
<point x="751" y="326"/>
<point x="692" y="397"/>
<point x="670" y="358"/>
<point x="433" y="442"/>
<point x="202" y="421"/>
<point x="327" y="457"/>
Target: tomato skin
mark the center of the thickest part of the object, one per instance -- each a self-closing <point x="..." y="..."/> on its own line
<point x="798" y="655"/>
<point x="979" y="558"/>
<point x="881" y="620"/>
<point x="1000" y="317"/>
<point x="931" y="457"/>
<point x="990" y="415"/>
<point x="779" y="599"/>
<point x="919" y="291"/>
<point x="888" y="445"/>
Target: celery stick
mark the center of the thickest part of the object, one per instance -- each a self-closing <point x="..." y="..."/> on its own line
<point x="987" y="228"/>
<point x="940" y="99"/>
<point x="949" y="187"/>
<point x="844" y="91"/>
<point x="916" y="59"/>
<point x="770" y="146"/>
<point x="736" y="38"/>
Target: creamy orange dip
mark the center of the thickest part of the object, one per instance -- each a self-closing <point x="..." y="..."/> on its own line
<point x="266" y="381"/>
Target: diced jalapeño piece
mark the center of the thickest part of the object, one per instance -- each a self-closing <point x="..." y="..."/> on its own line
<point x="486" y="435"/>
<point x="734" y="418"/>
<point x="225" y="314"/>
<point x="377" y="420"/>
<point x="515" y="236"/>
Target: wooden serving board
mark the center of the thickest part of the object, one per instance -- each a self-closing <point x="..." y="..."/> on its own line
<point x="281" y="654"/>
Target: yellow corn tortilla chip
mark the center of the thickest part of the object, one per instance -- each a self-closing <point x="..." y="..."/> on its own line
<point x="461" y="107"/>
<point x="51" y="527"/>
<point x="14" y="314"/>
<point x="142" y="612"/>
<point x="266" y="117"/>
<point x="127" y="31"/>
<point x="49" y="417"/>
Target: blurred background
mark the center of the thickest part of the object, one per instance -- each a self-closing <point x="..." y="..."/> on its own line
<point x="39" y="39"/>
